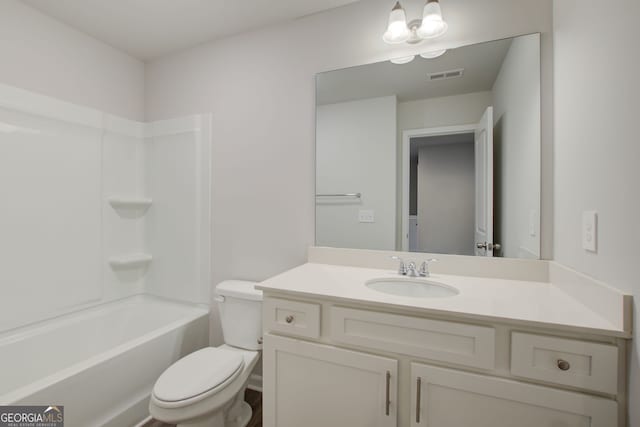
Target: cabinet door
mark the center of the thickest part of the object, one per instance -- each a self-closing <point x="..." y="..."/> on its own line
<point x="449" y="398"/>
<point x="314" y="385"/>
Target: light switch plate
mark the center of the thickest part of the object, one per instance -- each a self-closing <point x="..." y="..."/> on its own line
<point x="365" y="216"/>
<point x="589" y="230"/>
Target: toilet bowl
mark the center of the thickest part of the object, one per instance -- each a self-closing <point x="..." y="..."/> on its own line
<point x="206" y="388"/>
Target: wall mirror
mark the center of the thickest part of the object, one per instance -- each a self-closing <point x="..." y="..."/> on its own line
<point x="439" y="155"/>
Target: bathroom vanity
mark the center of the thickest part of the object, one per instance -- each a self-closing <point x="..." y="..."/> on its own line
<point x="516" y="349"/>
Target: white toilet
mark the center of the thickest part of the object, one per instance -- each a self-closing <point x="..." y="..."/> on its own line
<point x="206" y="388"/>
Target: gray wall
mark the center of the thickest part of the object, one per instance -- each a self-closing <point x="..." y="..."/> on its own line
<point x="596" y="147"/>
<point x="45" y="56"/>
<point x="516" y="114"/>
<point x="260" y="86"/>
<point x="355" y="153"/>
<point x="429" y="113"/>
<point x="446" y="194"/>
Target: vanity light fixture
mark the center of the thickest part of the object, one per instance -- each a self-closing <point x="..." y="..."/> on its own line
<point x="432" y="23"/>
<point x="430" y="26"/>
<point x="433" y="54"/>
<point x="402" y="60"/>
<point x="397" y="30"/>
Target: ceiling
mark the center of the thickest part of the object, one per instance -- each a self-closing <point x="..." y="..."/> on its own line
<point x="410" y="82"/>
<point x="147" y="29"/>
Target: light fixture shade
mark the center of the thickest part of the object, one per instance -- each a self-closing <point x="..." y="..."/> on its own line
<point x="402" y="60"/>
<point x="397" y="30"/>
<point x="432" y="23"/>
<point x="433" y="54"/>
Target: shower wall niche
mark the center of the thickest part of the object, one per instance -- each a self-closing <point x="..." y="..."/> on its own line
<point x="96" y="207"/>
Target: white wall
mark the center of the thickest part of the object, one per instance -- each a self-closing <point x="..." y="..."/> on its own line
<point x="355" y="153"/>
<point x="60" y="164"/>
<point x="516" y="115"/>
<point x="260" y="87"/>
<point x="177" y="177"/>
<point x="446" y="198"/>
<point x="46" y="56"/>
<point x="122" y="229"/>
<point x="50" y="219"/>
<point x="597" y="151"/>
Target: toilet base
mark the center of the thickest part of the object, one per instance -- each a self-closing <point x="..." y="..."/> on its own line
<point x="243" y="418"/>
<point x="239" y="416"/>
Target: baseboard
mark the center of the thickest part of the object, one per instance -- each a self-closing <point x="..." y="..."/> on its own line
<point x="143" y="422"/>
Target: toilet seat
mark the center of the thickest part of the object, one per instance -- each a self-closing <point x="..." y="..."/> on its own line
<point x="198" y="375"/>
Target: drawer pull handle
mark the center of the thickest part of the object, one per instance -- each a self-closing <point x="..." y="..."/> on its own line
<point x="289" y="319"/>
<point x="418" y="398"/>
<point x="563" y="365"/>
<point x="388" y="402"/>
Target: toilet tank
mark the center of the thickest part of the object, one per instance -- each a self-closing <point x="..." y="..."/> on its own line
<point x="240" y="307"/>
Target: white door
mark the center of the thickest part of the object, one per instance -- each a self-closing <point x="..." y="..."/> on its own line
<point x="314" y="385"/>
<point x="483" y="146"/>
<point x="448" y="398"/>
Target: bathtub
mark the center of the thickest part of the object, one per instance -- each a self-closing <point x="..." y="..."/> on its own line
<point x="100" y="363"/>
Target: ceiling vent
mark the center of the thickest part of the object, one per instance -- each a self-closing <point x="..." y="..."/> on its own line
<point x="446" y="75"/>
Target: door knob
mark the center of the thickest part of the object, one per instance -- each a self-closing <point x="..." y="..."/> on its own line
<point x="289" y="319"/>
<point x="488" y="246"/>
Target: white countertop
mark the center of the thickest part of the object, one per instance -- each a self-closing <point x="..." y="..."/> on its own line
<point x="509" y="301"/>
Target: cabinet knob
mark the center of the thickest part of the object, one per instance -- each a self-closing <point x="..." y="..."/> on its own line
<point x="563" y="365"/>
<point x="289" y="318"/>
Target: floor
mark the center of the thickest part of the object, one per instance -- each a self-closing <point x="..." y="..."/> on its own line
<point x="253" y="398"/>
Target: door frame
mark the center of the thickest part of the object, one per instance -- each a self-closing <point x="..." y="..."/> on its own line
<point x="407" y="135"/>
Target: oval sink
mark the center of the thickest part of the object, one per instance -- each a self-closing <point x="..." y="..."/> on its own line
<point x="410" y="287"/>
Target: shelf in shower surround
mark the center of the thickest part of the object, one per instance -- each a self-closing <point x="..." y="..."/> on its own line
<point x="130" y="260"/>
<point x="130" y="202"/>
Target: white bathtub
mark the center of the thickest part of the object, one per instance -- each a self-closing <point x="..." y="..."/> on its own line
<point x="100" y="363"/>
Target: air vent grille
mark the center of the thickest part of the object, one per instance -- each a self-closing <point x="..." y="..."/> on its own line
<point x="446" y="75"/>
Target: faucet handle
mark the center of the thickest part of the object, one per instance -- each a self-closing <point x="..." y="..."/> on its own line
<point x="424" y="267"/>
<point x="402" y="269"/>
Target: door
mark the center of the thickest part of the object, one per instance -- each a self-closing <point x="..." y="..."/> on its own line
<point x="445" y="398"/>
<point x="314" y="385"/>
<point x="483" y="146"/>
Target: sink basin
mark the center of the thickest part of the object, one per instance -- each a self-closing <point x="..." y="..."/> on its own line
<point x="412" y="287"/>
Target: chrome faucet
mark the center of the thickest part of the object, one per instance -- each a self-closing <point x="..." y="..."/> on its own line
<point x="424" y="267"/>
<point x="411" y="269"/>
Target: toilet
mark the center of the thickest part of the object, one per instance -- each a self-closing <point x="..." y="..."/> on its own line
<point x="206" y="388"/>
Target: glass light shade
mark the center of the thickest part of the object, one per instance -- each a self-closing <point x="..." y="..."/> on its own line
<point x="397" y="30"/>
<point x="432" y="23"/>
<point x="433" y="54"/>
<point x="402" y="60"/>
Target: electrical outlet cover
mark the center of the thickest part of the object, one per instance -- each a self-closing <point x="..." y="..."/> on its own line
<point x="365" y="216"/>
<point x="589" y="231"/>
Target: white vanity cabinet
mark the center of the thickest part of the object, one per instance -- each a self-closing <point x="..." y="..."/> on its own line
<point x="446" y="398"/>
<point x="314" y="385"/>
<point x="350" y="365"/>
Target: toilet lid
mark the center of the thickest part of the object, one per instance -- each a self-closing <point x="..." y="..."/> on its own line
<point x="197" y="373"/>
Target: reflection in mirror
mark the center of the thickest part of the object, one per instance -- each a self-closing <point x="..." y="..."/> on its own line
<point x="439" y="155"/>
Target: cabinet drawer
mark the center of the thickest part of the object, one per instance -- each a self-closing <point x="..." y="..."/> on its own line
<point x="451" y="342"/>
<point x="575" y="363"/>
<point x="291" y="317"/>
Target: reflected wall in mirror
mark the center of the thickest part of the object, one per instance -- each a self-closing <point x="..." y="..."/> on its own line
<point x="438" y="155"/>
